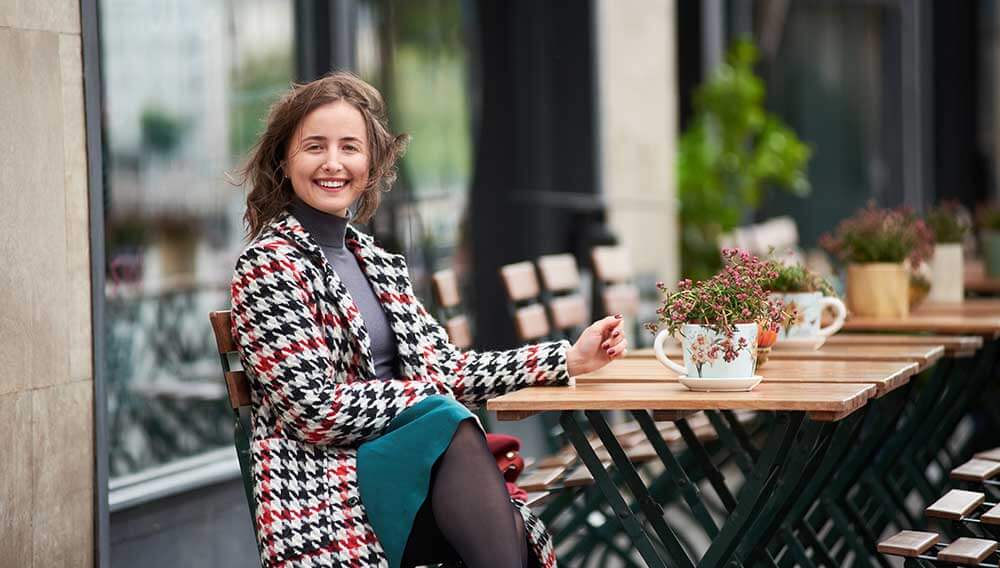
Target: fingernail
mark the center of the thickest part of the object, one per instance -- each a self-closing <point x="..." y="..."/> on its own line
<point x="604" y="346"/>
<point x="618" y="316"/>
<point x="616" y="333"/>
<point x="610" y="352"/>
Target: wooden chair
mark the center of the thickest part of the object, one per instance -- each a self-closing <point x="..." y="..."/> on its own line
<point x="446" y="293"/>
<point x="523" y="296"/>
<point x="613" y="271"/>
<point x="238" y="389"/>
<point x="561" y="283"/>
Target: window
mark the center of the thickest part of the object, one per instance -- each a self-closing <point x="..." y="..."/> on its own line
<point x="186" y="87"/>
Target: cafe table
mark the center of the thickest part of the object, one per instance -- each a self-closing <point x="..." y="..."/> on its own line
<point x="813" y="423"/>
<point x="977" y="281"/>
<point x="936" y="408"/>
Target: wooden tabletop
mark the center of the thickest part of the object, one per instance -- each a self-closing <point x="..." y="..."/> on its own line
<point x="884" y="376"/>
<point x="983" y="307"/>
<point x="954" y="345"/>
<point x="977" y="281"/>
<point x="923" y="355"/>
<point x="823" y="401"/>
<point x="929" y="323"/>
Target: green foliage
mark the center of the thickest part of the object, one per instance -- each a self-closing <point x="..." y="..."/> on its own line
<point x="161" y="131"/>
<point x="733" y="151"/>
<point x="796" y="277"/>
<point x="948" y="223"/>
<point x="988" y="217"/>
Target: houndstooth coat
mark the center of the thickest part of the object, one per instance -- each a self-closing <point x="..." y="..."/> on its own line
<point x="316" y="398"/>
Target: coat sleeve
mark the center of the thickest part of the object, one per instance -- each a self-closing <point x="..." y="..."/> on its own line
<point x="291" y="366"/>
<point x="477" y="376"/>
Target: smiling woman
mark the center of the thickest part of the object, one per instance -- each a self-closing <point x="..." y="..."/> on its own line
<point x="356" y="391"/>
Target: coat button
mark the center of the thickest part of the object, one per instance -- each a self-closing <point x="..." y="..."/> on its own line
<point x="354" y="502"/>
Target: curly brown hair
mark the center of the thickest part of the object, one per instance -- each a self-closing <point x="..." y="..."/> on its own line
<point x="271" y="192"/>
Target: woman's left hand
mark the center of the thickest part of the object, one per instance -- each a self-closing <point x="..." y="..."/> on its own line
<point x="597" y="346"/>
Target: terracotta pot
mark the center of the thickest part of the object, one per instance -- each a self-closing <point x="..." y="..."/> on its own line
<point x="991" y="252"/>
<point x="878" y="289"/>
<point x="947" y="273"/>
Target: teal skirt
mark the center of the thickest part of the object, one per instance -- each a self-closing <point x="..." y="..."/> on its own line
<point x="394" y="470"/>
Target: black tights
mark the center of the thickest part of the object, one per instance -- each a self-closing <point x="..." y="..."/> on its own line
<point x="468" y="514"/>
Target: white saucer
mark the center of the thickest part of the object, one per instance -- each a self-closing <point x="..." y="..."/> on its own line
<point x="721" y="385"/>
<point x="800" y="343"/>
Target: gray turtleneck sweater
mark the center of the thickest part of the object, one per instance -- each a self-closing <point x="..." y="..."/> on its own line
<point x="329" y="233"/>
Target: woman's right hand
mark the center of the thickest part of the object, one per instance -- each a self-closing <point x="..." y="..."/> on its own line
<point x="602" y="342"/>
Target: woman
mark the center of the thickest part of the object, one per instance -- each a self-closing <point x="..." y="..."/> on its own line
<point x="364" y="453"/>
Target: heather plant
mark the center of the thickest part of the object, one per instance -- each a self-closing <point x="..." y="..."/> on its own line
<point x="734" y="295"/>
<point x="949" y="222"/>
<point x="880" y="235"/>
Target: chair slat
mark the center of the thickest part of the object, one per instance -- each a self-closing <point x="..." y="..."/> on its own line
<point x="969" y="551"/>
<point x="621" y="299"/>
<point x="222" y="327"/>
<point x="909" y="544"/>
<point x="531" y="322"/>
<point x="991" y="517"/>
<point x="992" y="455"/>
<point x="459" y="332"/>
<point x="559" y="272"/>
<point x="238" y="388"/>
<point x="520" y="281"/>
<point x="976" y="470"/>
<point x="611" y="263"/>
<point x="568" y="311"/>
<point x="446" y="288"/>
<point x="955" y="504"/>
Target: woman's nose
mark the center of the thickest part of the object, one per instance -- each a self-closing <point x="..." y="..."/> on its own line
<point x="332" y="163"/>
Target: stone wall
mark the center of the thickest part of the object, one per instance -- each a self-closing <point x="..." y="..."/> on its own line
<point x="46" y="377"/>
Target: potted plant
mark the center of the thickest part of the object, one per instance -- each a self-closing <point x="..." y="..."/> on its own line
<point x="950" y="225"/>
<point x="805" y="295"/>
<point x="730" y="155"/>
<point x="988" y="220"/>
<point x="875" y="244"/>
<point x="717" y="322"/>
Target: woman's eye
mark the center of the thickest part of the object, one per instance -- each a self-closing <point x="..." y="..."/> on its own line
<point x="350" y="148"/>
<point x="312" y="147"/>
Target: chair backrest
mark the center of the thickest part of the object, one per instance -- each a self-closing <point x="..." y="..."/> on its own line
<point x="521" y="284"/>
<point x="559" y="272"/>
<point x="445" y="285"/>
<point x="561" y="281"/>
<point x="446" y="293"/>
<point x="239" y="399"/>
<point x="613" y="270"/>
<point x="236" y="379"/>
<point x="778" y="233"/>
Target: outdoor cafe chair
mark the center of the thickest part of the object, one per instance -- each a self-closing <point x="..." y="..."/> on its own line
<point x="238" y="389"/>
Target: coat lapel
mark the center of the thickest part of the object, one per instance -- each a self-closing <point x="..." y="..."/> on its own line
<point x="290" y="228"/>
<point x="390" y="280"/>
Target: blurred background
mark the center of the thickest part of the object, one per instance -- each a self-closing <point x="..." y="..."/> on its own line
<point x="538" y="127"/>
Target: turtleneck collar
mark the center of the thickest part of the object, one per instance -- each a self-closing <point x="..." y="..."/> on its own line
<point x="326" y="229"/>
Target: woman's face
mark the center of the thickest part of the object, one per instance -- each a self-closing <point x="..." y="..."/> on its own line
<point x="328" y="159"/>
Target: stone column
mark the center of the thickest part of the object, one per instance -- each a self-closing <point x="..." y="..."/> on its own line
<point x="46" y="377"/>
<point x="637" y="92"/>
